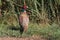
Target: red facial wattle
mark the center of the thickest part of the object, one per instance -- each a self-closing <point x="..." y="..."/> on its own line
<point x="25" y="7"/>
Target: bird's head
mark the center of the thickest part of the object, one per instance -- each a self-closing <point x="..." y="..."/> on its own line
<point x="25" y="7"/>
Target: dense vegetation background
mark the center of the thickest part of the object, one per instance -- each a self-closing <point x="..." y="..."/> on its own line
<point x="44" y="17"/>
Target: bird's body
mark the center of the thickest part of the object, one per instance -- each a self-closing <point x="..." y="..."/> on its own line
<point x="24" y="21"/>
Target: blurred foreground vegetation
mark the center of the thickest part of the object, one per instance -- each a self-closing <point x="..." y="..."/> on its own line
<point x="50" y="32"/>
<point x="44" y="18"/>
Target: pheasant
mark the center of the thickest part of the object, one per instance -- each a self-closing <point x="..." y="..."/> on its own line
<point x="23" y="20"/>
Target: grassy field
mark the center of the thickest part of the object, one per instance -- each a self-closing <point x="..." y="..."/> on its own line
<point x="51" y="32"/>
<point x="40" y="11"/>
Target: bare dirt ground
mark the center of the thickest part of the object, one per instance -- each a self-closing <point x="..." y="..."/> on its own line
<point x="23" y="38"/>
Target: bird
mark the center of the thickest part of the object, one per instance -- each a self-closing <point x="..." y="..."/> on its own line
<point x="23" y="20"/>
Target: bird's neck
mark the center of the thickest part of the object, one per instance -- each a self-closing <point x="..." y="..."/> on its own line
<point x="24" y="11"/>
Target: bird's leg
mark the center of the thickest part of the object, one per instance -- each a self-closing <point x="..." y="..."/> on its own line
<point x="25" y="28"/>
<point x="21" y="30"/>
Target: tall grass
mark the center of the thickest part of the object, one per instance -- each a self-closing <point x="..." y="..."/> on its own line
<point x="41" y="10"/>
